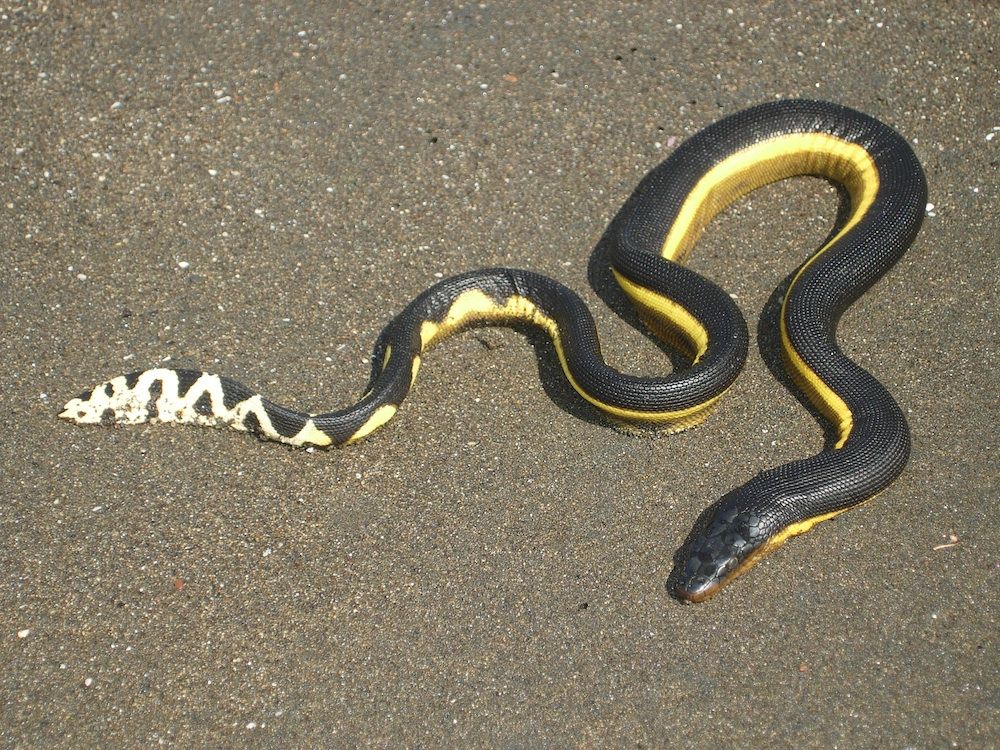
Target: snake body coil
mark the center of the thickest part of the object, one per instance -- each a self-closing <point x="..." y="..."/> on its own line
<point x="651" y="236"/>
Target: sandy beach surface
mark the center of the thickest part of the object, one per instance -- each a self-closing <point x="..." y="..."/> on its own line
<point x="257" y="189"/>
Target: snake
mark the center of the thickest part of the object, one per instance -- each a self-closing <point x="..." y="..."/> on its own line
<point x="884" y="192"/>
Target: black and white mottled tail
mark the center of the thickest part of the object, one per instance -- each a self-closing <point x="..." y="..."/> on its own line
<point x="191" y="397"/>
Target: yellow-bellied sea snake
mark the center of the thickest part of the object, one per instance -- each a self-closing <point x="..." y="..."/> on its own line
<point x="654" y="231"/>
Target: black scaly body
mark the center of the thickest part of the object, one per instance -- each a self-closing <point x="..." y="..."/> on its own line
<point x="651" y="236"/>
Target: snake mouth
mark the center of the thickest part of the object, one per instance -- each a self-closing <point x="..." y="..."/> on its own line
<point x="697" y="589"/>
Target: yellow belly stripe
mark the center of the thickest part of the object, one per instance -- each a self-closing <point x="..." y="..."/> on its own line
<point x="382" y="415"/>
<point x="768" y="161"/>
<point x="674" y="315"/>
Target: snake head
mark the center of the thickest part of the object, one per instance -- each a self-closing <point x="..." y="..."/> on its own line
<point x="736" y="537"/>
